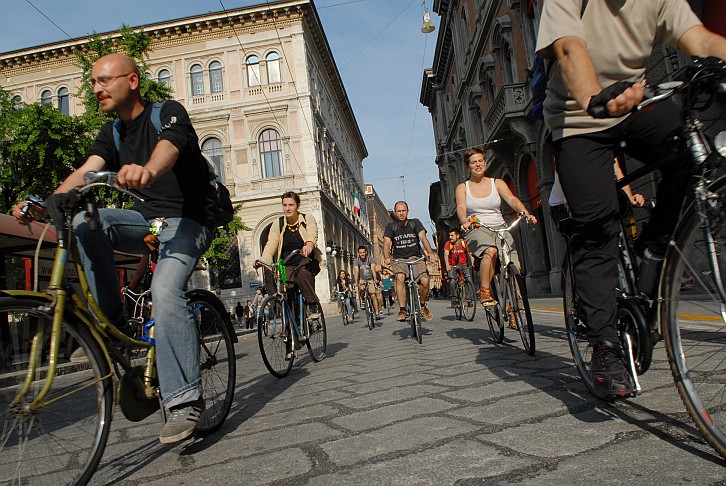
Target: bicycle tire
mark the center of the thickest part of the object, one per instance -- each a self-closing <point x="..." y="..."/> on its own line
<point x="495" y="319"/>
<point x="317" y="342"/>
<point x="416" y="314"/>
<point x="346" y="317"/>
<point x="370" y="312"/>
<point x="217" y="360"/>
<point x="458" y="295"/>
<point x="468" y="301"/>
<point x="63" y="441"/>
<point x="274" y="338"/>
<point x="692" y="318"/>
<point x="520" y="306"/>
<point x="576" y="328"/>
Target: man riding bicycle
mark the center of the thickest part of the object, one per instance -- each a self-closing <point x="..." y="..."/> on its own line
<point x="365" y="276"/>
<point x="401" y="241"/>
<point x="600" y="47"/>
<point x="164" y="168"/>
<point x="455" y="253"/>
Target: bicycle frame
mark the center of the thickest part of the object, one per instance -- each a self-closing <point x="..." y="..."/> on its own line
<point x="288" y="316"/>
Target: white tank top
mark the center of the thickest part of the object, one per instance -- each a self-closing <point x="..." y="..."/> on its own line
<point x="486" y="209"/>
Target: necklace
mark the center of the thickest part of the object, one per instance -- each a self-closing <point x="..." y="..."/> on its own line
<point x="292" y="228"/>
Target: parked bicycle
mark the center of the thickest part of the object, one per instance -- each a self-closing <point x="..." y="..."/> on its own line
<point x="55" y="416"/>
<point x="688" y="300"/>
<point x="464" y="299"/>
<point x="285" y="331"/>
<point x="510" y="293"/>
<point x="413" y="300"/>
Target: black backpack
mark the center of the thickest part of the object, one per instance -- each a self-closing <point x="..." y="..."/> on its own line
<point x="223" y="211"/>
<point x="540" y="77"/>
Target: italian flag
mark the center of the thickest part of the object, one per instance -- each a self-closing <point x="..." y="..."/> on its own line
<point x="356" y="204"/>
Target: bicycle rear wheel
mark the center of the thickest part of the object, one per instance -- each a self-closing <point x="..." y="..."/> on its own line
<point x="495" y="320"/>
<point x="693" y="317"/>
<point x="274" y="337"/>
<point x="468" y="300"/>
<point x="63" y="440"/>
<point x="217" y="360"/>
<point x="520" y="306"/>
<point x="370" y="312"/>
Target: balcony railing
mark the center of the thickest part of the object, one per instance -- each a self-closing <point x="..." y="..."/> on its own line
<point x="511" y="100"/>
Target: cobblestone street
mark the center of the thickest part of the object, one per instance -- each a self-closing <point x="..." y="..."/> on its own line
<point x="458" y="409"/>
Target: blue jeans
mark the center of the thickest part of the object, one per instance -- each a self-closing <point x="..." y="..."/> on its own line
<point x="182" y="243"/>
<point x="345" y="301"/>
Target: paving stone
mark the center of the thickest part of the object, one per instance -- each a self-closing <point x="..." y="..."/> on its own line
<point x="393" y="395"/>
<point x="372" y="419"/>
<point x="499" y="389"/>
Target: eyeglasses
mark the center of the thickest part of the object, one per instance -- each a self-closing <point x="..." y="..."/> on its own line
<point x="104" y="81"/>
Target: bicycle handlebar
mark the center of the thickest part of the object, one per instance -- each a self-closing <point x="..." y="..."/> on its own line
<point x="509" y="228"/>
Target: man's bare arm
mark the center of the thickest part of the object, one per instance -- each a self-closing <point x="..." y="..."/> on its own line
<point x="699" y="41"/>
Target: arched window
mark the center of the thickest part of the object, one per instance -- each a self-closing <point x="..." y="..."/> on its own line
<point x="271" y="153"/>
<point x="253" y="71"/>
<point x="164" y="77"/>
<point x="197" y="78"/>
<point x="63" y="101"/>
<point x="510" y="75"/>
<point x="215" y="76"/>
<point x="46" y="97"/>
<point x="273" y="68"/>
<point x="17" y="102"/>
<point x="212" y="148"/>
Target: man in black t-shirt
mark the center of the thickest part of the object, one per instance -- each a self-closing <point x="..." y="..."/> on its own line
<point x="401" y="241"/>
<point x="165" y="168"/>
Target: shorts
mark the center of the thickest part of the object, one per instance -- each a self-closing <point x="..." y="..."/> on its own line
<point x="372" y="289"/>
<point x="419" y="269"/>
<point x="479" y="239"/>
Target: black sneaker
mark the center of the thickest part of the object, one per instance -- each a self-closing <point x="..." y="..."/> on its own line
<point x="314" y="309"/>
<point x="610" y="375"/>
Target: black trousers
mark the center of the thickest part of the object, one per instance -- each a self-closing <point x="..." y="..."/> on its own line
<point x="585" y="167"/>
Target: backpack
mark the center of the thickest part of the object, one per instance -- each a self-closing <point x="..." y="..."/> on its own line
<point x="223" y="211"/>
<point x="540" y="77"/>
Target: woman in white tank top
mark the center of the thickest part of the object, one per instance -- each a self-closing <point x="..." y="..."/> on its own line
<point x="479" y="199"/>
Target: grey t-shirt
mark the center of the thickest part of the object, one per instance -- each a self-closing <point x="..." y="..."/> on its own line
<point x="619" y="35"/>
<point x="365" y="270"/>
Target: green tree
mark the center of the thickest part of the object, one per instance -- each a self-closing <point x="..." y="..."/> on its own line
<point x="218" y="256"/>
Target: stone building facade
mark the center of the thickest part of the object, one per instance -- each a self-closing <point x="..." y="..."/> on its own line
<point x="269" y="106"/>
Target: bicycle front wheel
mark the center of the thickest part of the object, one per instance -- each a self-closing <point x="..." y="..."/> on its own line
<point x="468" y="301"/>
<point x="318" y="338"/>
<point x="63" y="439"/>
<point x="370" y="312"/>
<point x="693" y="316"/>
<point x="457" y="301"/>
<point x="520" y="307"/>
<point x="416" y="314"/>
<point x="495" y="320"/>
<point x="274" y="337"/>
<point x="217" y="360"/>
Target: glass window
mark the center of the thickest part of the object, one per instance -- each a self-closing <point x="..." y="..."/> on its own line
<point x="46" y="97"/>
<point x="17" y="102"/>
<point x="253" y="71"/>
<point x="212" y="148"/>
<point x="197" y="78"/>
<point x="165" y="77"/>
<point x="273" y="68"/>
<point x="63" y="101"/>
<point x="215" y="77"/>
<point x="271" y="153"/>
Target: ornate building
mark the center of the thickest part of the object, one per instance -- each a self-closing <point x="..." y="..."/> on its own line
<point x="477" y="92"/>
<point x="269" y="106"/>
<point x="379" y="217"/>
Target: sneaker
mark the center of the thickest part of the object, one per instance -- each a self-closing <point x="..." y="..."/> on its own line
<point x="512" y="320"/>
<point x="485" y="297"/>
<point x="378" y="318"/>
<point x="609" y="373"/>
<point x="78" y="356"/>
<point x="314" y="312"/>
<point x="380" y="312"/>
<point x="402" y="316"/>
<point x="426" y="313"/>
<point x="181" y="422"/>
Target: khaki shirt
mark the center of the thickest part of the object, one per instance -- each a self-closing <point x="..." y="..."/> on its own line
<point x="308" y="232"/>
<point x="619" y="35"/>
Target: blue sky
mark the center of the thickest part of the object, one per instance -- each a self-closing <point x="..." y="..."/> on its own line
<point x="377" y="44"/>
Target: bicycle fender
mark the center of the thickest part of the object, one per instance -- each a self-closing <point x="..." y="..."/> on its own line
<point x="71" y="313"/>
<point x="219" y="306"/>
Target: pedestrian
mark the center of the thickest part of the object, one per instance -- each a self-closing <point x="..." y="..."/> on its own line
<point x="250" y="315"/>
<point x="165" y="168"/>
<point x="240" y="313"/>
<point x="600" y="48"/>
